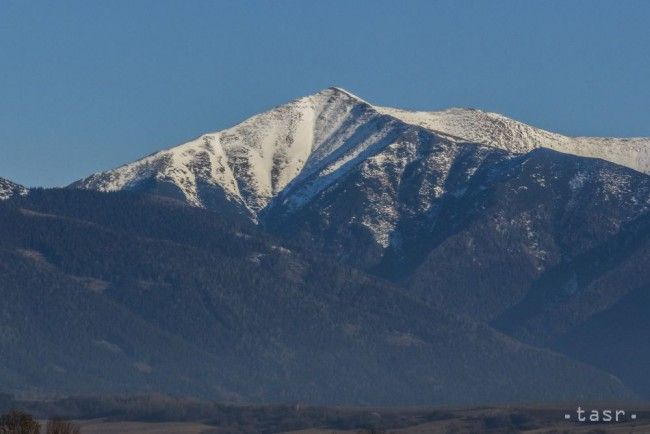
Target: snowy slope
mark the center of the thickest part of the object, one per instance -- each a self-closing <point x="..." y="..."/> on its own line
<point x="9" y="189"/>
<point x="278" y="161"/>
<point x="252" y="161"/>
<point x="274" y="163"/>
<point x="496" y="130"/>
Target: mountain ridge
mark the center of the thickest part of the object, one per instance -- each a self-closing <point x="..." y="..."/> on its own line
<point x="497" y="130"/>
<point x="252" y="165"/>
<point x="251" y="161"/>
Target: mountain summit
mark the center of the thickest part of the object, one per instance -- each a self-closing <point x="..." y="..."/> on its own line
<point x="252" y="162"/>
<point x="329" y="133"/>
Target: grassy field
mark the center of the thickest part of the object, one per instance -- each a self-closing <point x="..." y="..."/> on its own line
<point x="99" y="426"/>
<point x="533" y="420"/>
<point x="537" y="420"/>
<point x="169" y="415"/>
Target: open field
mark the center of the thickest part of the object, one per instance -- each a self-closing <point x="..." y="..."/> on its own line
<point x="484" y="420"/>
<point x="537" y="420"/>
<point x="460" y="424"/>
<point x="167" y="415"/>
<point x="108" y="427"/>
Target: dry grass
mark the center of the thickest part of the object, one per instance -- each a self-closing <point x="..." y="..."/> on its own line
<point x="99" y="426"/>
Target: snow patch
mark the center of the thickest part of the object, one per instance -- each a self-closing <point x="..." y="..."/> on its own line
<point x="578" y="181"/>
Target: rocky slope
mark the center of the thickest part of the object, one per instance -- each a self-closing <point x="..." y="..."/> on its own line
<point x="9" y="189"/>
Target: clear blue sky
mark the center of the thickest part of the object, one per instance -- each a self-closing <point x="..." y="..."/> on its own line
<point x="88" y="85"/>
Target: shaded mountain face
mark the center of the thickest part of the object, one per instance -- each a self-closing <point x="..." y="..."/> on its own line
<point x="9" y="189"/>
<point x="542" y="246"/>
<point x="121" y="293"/>
<point x="520" y="224"/>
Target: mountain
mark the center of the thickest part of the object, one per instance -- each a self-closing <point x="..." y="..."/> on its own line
<point x="107" y="293"/>
<point x="9" y="189"/>
<point x="538" y="245"/>
<point x="289" y="154"/>
<point x="245" y="166"/>
<point x="498" y="131"/>
<point x="330" y="243"/>
<point x="523" y="224"/>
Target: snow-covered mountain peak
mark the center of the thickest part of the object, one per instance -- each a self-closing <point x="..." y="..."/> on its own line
<point x="9" y="189"/>
<point x="339" y="91"/>
<point x="252" y="161"/>
<point x="287" y="155"/>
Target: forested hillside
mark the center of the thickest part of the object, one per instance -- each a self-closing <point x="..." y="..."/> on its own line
<point x="120" y="292"/>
